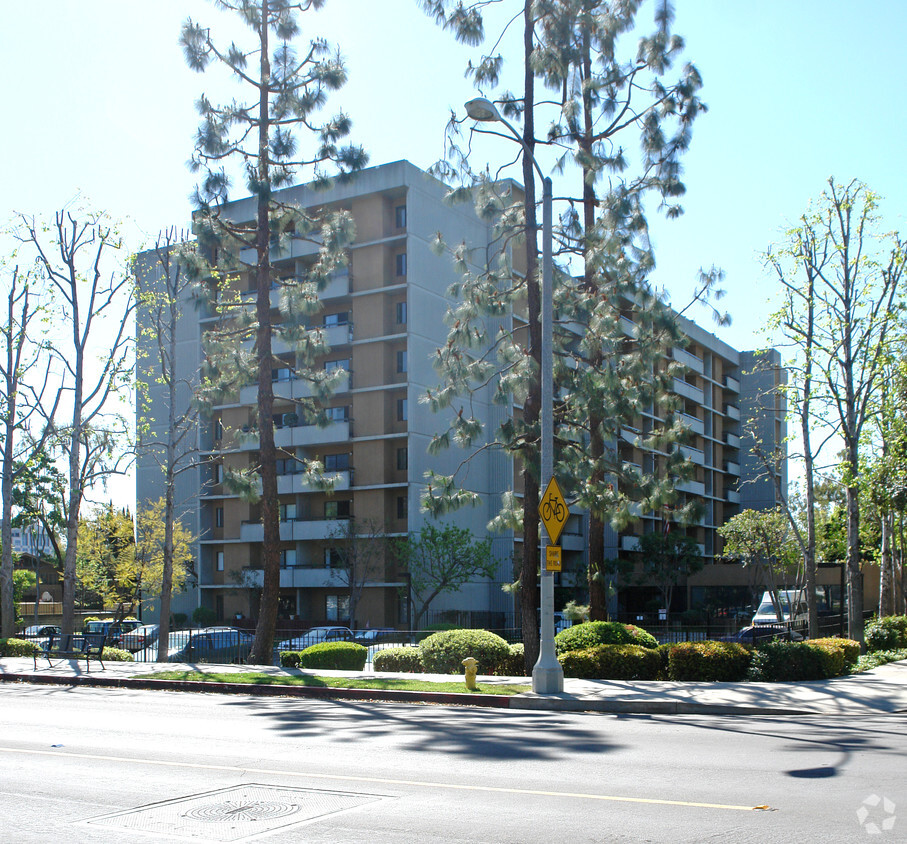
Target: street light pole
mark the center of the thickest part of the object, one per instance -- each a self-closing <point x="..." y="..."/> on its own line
<point x="547" y="674"/>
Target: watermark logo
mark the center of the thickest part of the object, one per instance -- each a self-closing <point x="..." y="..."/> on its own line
<point x="876" y="815"/>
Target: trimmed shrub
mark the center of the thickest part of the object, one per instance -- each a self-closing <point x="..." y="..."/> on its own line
<point x="179" y="620"/>
<point x="726" y="662"/>
<point x="398" y="659"/>
<point x="592" y="633"/>
<point x="790" y="661"/>
<point x="288" y="659"/>
<point x="117" y="655"/>
<point x="849" y="647"/>
<point x="444" y="652"/>
<point x="335" y="656"/>
<point x="612" y="662"/>
<point x="886" y="634"/>
<point x="515" y="664"/>
<point x="18" y="647"/>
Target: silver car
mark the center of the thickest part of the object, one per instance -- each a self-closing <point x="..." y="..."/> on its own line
<point x="209" y="644"/>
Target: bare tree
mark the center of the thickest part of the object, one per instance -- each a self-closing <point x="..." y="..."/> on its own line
<point x="22" y="391"/>
<point x="81" y="255"/>
<point x="361" y="551"/>
<point x="163" y="289"/>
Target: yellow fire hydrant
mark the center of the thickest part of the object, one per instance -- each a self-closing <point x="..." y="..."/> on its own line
<point x="471" y="670"/>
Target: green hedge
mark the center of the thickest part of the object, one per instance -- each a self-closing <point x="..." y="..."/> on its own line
<point x="331" y="656"/>
<point x="444" y="652"/>
<point x="515" y="664"/>
<point x="612" y="662"/>
<point x="117" y="655"/>
<point x="886" y="634"/>
<point x="592" y="633"/>
<point x="726" y="662"/>
<point x="789" y="661"/>
<point x="398" y="659"/>
<point x="848" y="647"/>
<point x="18" y="647"/>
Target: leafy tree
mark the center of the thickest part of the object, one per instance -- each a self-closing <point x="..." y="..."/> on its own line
<point x="106" y="560"/>
<point x="286" y="90"/>
<point x="442" y="559"/>
<point x="22" y="390"/>
<point x="856" y="272"/>
<point x="81" y="255"/>
<point x="667" y="558"/>
<point x="763" y="539"/>
<point x="163" y="557"/>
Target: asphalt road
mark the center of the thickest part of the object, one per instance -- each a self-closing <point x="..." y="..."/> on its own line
<point x="91" y="765"/>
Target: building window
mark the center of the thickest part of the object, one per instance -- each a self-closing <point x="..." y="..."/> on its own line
<point x="401" y="313"/>
<point x="288" y="557"/>
<point x="342" y="318"/>
<point x="217" y="473"/>
<point x="402" y="458"/>
<point x="336" y="509"/>
<point x="220" y="560"/>
<point x="332" y="365"/>
<point x="338" y="414"/>
<point x="402" y="413"/>
<point x="401" y="360"/>
<point x="400" y="216"/>
<point x="218" y="517"/>
<point x="332" y="558"/>
<point x="336" y="462"/>
<point x="287" y="512"/>
<point x="401" y="506"/>
<point x="401" y="263"/>
<point x="337" y="607"/>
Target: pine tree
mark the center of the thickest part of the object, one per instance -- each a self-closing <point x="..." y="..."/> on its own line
<point x="606" y="377"/>
<point x="286" y="91"/>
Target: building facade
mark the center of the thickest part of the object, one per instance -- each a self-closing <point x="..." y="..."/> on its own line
<point x="384" y="318"/>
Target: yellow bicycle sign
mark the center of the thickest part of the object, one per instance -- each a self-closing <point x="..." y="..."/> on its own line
<point x="553" y="510"/>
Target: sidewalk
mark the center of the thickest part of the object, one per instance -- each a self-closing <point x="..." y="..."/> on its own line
<point x="881" y="691"/>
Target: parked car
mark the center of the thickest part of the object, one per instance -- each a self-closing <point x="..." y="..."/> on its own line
<point x="793" y="608"/>
<point x="375" y="635"/>
<point x="208" y="644"/>
<point x="756" y="634"/>
<point x="316" y="636"/>
<point x="40" y="631"/>
<point x="140" y="638"/>
<point x="113" y="630"/>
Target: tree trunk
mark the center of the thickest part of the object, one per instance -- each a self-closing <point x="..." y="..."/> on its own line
<point x="270" y="513"/>
<point x="529" y="579"/>
<point x="886" y="598"/>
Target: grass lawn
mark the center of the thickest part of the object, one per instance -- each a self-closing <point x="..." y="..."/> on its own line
<point x="257" y="678"/>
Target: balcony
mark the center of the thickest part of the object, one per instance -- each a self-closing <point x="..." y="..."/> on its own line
<point x="731" y="384"/>
<point x="690" y="361"/>
<point x="694" y="454"/>
<point x="300" y="577"/>
<point x="297" y="484"/>
<point x="297" y="530"/>
<point x="339" y="285"/>
<point x="732" y="496"/>
<point x="290" y="389"/>
<point x="628" y="326"/>
<point x="732" y="410"/>
<point x="692" y="487"/>
<point x="302" y="436"/>
<point x="629" y="543"/>
<point x="697" y="426"/>
<point x="732" y="468"/>
<point x="688" y="391"/>
<point x="732" y="440"/>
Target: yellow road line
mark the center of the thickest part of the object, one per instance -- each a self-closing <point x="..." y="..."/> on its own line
<point x="387" y="781"/>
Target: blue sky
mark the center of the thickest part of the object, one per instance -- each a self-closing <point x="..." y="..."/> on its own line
<point x="99" y="101"/>
<point x="99" y="104"/>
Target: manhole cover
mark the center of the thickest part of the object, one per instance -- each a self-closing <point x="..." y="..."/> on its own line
<point x="234" y="814"/>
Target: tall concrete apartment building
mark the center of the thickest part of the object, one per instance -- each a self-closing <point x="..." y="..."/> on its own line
<point x="384" y="319"/>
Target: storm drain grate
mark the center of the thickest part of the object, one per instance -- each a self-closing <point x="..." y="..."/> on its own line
<point x="234" y="814"/>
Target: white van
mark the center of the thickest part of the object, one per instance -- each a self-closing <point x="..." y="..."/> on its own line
<point x="793" y="608"/>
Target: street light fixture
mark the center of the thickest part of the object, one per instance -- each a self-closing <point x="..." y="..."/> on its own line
<point x="547" y="674"/>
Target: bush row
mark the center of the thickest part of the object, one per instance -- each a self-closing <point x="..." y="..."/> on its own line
<point x="328" y="656"/>
<point x="23" y="647"/>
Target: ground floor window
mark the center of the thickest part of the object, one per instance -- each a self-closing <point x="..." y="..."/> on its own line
<point x="337" y="607"/>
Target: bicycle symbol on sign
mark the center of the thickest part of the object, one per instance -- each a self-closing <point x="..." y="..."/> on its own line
<point x="553" y="508"/>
